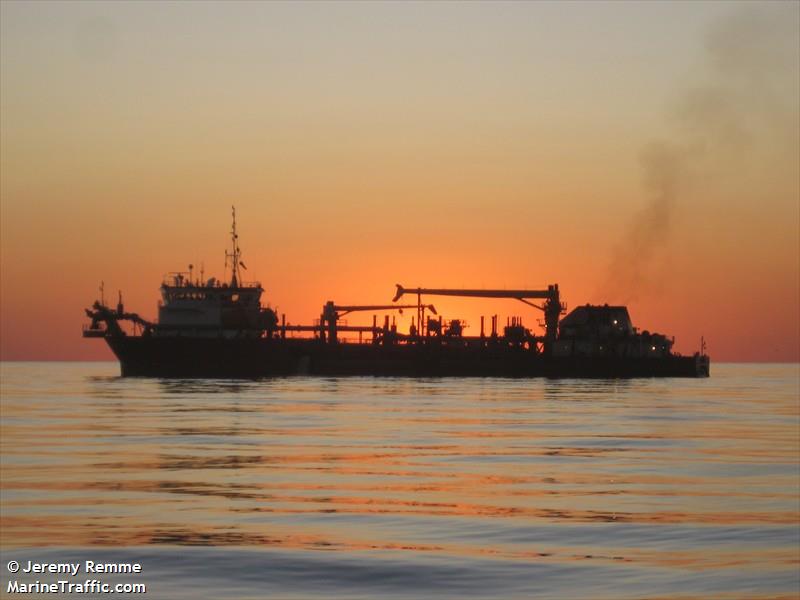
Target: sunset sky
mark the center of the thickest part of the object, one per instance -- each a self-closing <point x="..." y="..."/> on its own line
<point x="633" y="152"/>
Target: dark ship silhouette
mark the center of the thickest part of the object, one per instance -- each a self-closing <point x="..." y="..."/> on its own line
<point x="220" y="329"/>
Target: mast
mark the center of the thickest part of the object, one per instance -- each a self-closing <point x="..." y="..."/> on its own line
<point x="234" y="253"/>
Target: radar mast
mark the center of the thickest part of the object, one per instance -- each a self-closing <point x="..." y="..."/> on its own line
<point x="235" y="253"/>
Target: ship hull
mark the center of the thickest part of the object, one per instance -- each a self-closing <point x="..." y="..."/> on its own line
<point x="260" y="357"/>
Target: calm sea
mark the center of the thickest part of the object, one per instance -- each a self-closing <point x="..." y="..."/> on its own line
<point x="406" y="488"/>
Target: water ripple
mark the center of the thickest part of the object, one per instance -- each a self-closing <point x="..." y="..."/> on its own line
<point x="370" y="487"/>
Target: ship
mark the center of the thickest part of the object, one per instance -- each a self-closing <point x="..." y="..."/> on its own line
<point x="212" y="328"/>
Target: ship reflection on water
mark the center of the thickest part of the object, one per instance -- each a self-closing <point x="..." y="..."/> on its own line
<point x="656" y="487"/>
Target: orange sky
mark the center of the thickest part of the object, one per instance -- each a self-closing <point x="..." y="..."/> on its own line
<point x="639" y="153"/>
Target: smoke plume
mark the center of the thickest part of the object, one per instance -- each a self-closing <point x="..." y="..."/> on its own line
<point x="745" y="97"/>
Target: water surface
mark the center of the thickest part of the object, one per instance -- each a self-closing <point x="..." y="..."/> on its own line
<point x="408" y="488"/>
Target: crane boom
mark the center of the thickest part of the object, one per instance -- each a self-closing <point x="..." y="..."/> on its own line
<point x="347" y="309"/>
<point x="517" y="294"/>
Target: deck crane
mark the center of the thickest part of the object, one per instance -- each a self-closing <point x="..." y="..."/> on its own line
<point x="331" y="313"/>
<point x="551" y="306"/>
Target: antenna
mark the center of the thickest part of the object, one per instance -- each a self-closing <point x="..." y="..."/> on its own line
<point x="102" y="293"/>
<point x="234" y="253"/>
